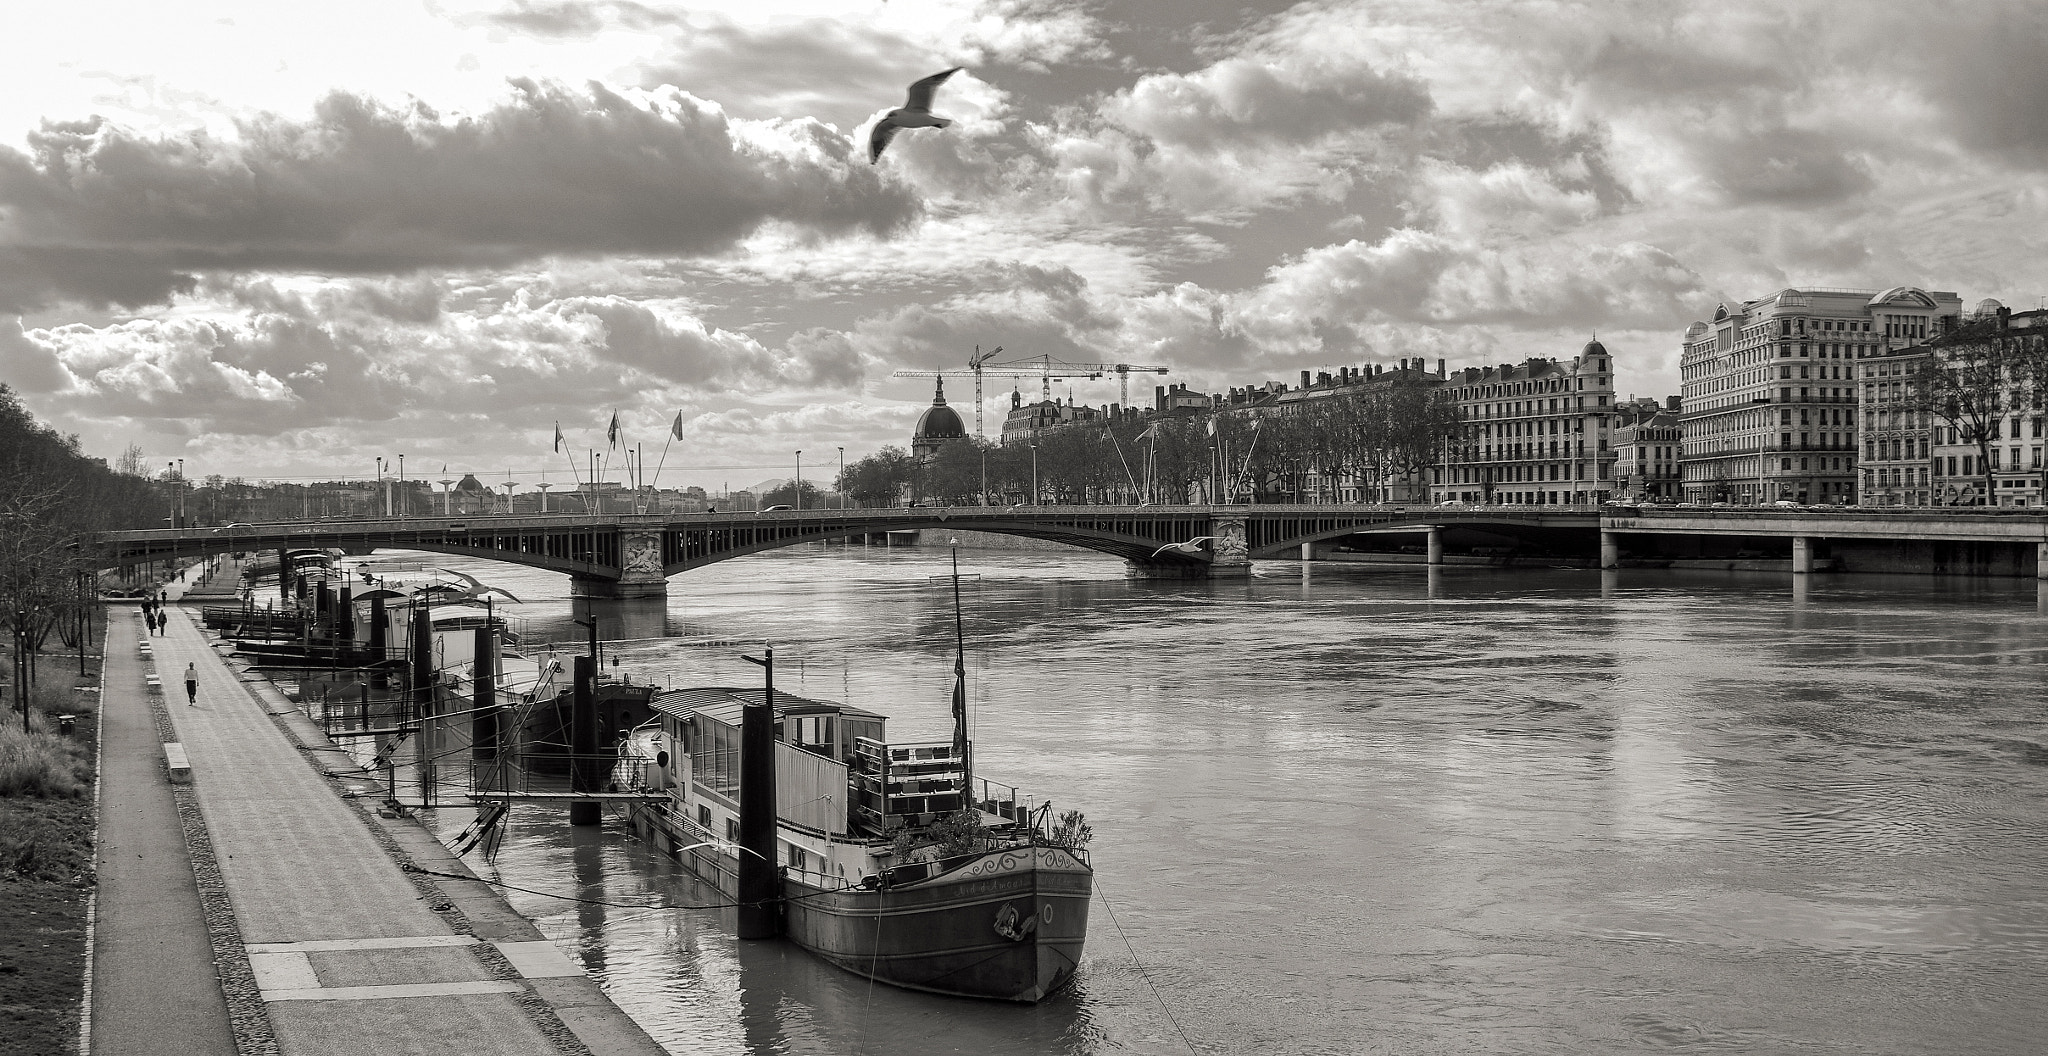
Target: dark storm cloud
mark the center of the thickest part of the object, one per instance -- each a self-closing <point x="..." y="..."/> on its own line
<point x="100" y="214"/>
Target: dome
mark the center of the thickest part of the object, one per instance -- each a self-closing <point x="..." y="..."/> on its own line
<point x="1697" y="329"/>
<point x="1988" y="307"/>
<point x="938" y="422"/>
<point x="1903" y="296"/>
<point x="1593" y="348"/>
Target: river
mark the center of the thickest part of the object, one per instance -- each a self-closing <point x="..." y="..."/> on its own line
<point x="1363" y="810"/>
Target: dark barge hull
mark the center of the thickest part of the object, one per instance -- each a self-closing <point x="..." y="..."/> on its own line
<point x="939" y="934"/>
<point x="951" y="934"/>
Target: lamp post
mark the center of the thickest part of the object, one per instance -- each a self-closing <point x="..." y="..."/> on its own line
<point x="401" y="487"/>
<point x="380" y="486"/>
<point x="840" y="484"/>
<point x="799" y="480"/>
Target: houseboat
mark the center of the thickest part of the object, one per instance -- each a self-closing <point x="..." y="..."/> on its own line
<point x="895" y="862"/>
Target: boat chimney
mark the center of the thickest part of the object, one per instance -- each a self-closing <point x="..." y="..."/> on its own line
<point x="760" y="916"/>
<point x="583" y="740"/>
<point x="483" y="726"/>
<point x="345" y="619"/>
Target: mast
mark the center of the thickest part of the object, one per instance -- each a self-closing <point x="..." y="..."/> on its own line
<point x="961" y="747"/>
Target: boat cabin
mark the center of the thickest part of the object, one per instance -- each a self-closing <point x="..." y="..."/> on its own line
<point x="839" y="785"/>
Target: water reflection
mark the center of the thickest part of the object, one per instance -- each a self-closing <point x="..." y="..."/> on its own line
<point x="1345" y="809"/>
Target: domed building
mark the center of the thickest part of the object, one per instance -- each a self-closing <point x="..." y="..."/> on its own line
<point x="938" y="425"/>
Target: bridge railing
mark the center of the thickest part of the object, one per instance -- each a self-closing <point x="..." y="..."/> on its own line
<point x="268" y="534"/>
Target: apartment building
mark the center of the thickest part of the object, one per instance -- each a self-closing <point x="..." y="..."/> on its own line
<point x="1769" y="389"/>
<point x="2014" y="433"/>
<point x="1646" y="443"/>
<point x="1535" y="432"/>
<point x="1893" y="434"/>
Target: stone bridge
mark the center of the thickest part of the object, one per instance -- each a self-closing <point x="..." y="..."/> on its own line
<point x="633" y="556"/>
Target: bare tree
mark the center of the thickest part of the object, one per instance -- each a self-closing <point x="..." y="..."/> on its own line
<point x="1981" y="372"/>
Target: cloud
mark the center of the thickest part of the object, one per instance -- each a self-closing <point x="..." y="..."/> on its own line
<point x="102" y="215"/>
<point x="1419" y="276"/>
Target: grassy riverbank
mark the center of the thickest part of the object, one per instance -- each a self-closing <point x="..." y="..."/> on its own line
<point x="46" y="861"/>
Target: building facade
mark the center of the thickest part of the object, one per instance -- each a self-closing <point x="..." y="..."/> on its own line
<point x="1537" y="432"/>
<point x="1893" y="434"/>
<point x="2017" y="345"/>
<point x="1768" y="389"/>
<point x="1646" y="443"/>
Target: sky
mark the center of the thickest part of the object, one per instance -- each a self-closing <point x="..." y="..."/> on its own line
<point x="281" y="240"/>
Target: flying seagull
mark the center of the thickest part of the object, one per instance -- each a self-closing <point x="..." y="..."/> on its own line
<point x="916" y="112"/>
<point x="1192" y="546"/>
<point x="475" y="588"/>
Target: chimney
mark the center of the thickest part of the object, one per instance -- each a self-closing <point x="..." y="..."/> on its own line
<point x="1158" y="397"/>
<point x="1440" y="368"/>
<point x="1304" y="379"/>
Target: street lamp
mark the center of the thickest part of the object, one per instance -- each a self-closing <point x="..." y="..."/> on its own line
<point x="799" y="480"/>
<point x="380" y="486"/>
<point x="1034" y="472"/>
<point x="840" y="484"/>
<point x="401" y="487"/>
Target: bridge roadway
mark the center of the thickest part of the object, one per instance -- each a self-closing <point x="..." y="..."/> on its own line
<point x="1924" y="539"/>
<point x="633" y="555"/>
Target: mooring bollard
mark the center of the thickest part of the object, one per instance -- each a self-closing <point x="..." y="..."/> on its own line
<point x="66" y="724"/>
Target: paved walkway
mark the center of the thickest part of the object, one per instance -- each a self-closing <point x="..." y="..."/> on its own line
<point x="152" y="967"/>
<point x="332" y="947"/>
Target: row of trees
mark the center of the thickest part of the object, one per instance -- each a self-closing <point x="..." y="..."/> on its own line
<point x="1379" y="440"/>
<point x="52" y="498"/>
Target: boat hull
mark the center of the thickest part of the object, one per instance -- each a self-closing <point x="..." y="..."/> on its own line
<point x="1008" y="924"/>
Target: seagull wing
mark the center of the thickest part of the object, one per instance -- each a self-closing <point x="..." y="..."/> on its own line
<point x="921" y="92"/>
<point x="885" y="130"/>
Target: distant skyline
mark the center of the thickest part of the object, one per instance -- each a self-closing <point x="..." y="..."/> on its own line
<point x="280" y="240"/>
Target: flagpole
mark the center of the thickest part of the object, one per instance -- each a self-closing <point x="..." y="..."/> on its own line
<point x="675" y="432"/>
<point x="566" y="456"/>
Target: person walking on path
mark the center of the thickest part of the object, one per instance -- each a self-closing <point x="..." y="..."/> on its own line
<point x="191" y="685"/>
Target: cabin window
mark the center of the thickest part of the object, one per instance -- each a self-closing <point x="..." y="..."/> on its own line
<point x="704" y="817"/>
<point x="732" y="831"/>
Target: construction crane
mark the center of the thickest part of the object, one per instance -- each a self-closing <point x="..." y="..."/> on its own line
<point x="1045" y="368"/>
<point x="978" y="366"/>
<point x="1123" y="372"/>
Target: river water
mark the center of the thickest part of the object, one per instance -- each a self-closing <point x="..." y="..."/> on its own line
<point x="1365" y="810"/>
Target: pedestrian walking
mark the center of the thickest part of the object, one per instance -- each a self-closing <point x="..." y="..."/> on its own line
<point x="192" y="684"/>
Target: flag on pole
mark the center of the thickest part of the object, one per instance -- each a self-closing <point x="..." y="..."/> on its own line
<point x="612" y="433"/>
<point x="1149" y="431"/>
<point x="1212" y="427"/>
<point x="558" y="438"/>
<point x="676" y="429"/>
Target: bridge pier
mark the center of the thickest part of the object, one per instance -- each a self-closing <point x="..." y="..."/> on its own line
<point x="1436" y="547"/>
<point x="1802" y="554"/>
<point x="1610" y="549"/>
<point x="617" y="589"/>
<point x="2041" y="561"/>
